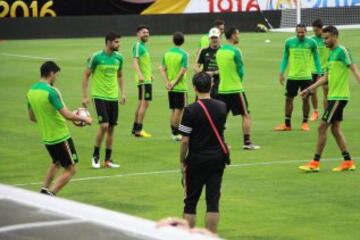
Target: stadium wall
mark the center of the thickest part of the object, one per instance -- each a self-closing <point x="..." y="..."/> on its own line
<point x="95" y="26"/>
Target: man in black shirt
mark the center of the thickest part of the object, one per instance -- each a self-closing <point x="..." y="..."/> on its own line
<point x="206" y="59"/>
<point x="202" y="156"/>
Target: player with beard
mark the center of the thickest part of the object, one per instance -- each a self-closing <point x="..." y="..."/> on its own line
<point x="105" y="69"/>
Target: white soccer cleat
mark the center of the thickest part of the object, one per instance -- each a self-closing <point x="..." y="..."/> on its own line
<point x="251" y="147"/>
<point x="111" y="164"/>
<point x="95" y="162"/>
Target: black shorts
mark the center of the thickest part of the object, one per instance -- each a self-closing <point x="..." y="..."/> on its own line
<point x="194" y="181"/>
<point x="293" y="86"/>
<point x="177" y="100"/>
<point x="63" y="153"/>
<point x="235" y="102"/>
<point x="145" y="92"/>
<point x="334" y="111"/>
<point x="107" y="111"/>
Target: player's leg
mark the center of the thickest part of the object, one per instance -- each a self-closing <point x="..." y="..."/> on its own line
<point x="213" y="192"/>
<point x="67" y="157"/>
<point x="336" y="119"/>
<point x="306" y="111"/>
<point x="325" y="94"/>
<point x="103" y="119"/>
<point x="51" y="174"/>
<point x="193" y="181"/>
<point x="146" y="97"/>
<point x="113" y="111"/>
<point x="314" y="100"/>
<point x="290" y="93"/>
<point x="304" y="84"/>
<point x="63" y="179"/>
<point x="314" y="165"/>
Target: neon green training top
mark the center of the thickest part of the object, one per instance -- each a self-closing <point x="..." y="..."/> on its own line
<point x="45" y="102"/>
<point x="323" y="53"/>
<point x="231" y="69"/>
<point x="104" y="76"/>
<point x="173" y="61"/>
<point x="338" y="65"/>
<point x="140" y="52"/>
<point x="204" y="41"/>
<point x="297" y="54"/>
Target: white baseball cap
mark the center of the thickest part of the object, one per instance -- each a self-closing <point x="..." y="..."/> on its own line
<point x="214" y="32"/>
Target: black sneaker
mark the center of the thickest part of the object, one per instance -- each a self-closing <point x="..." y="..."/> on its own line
<point x="46" y="192"/>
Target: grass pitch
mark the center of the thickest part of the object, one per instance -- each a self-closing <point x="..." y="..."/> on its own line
<point x="264" y="196"/>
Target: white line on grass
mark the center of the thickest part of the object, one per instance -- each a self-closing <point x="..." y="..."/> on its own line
<point x="177" y="171"/>
<point x="38" y="224"/>
<point x="27" y="56"/>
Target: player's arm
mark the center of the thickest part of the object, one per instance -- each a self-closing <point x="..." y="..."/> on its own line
<point x="284" y="64"/>
<point x="184" y="67"/>
<point x="199" y="61"/>
<point x="85" y="87"/>
<point x="184" y="148"/>
<point x="137" y="70"/>
<point x="67" y="114"/>
<point x="355" y="71"/>
<point x="31" y="115"/>
<point x="165" y="77"/>
<point x="316" y="58"/>
<point x="121" y="83"/>
<point x="322" y="80"/>
<point x="179" y="76"/>
<point x="136" y="55"/>
<point x="239" y="64"/>
<point x="185" y="129"/>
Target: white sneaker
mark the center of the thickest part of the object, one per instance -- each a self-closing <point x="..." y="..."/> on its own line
<point x="251" y="147"/>
<point x="111" y="164"/>
<point x="176" y="137"/>
<point x="95" y="162"/>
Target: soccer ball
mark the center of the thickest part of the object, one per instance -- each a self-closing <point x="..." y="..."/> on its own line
<point x="81" y="112"/>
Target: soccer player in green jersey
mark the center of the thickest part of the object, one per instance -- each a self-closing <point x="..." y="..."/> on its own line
<point x="298" y="52"/>
<point x="143" y="78"/>
<point x="46" y="108"/>
<point x="205" y="41"/>
<point x="337" y="77"/>
<point x="173" y="70"/>
<point x="105" y="69"/>
<point x="231" y="91"/>
<point x="324" y="54"/>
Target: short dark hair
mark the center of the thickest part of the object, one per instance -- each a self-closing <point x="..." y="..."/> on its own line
<point x="141" y="27"/>
<point x="178" y="38"/>
<point x="332" y="30"/>
<point x="318" y="23"/>
<point x="48" y="67"/>
<point x="301" y="25"/>
<point x="230" y="31"/>
<point x="111" y="36"/>
<point x="218" y="22"/>
<point x="202" y="82"/>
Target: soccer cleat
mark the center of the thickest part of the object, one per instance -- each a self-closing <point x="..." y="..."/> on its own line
<point x="314" y="116"/>
<point x="177" y="137"/>
<point x="111" y="164"/>
<point x="282" y="127"/>
<point x="143" y="134"/>
<point x="313" y="166"/>
<point x="46" y="192"/>
<point x="305" y="127"/>
<point x="251" y="147"/>
<point x="95" y="162"/>
<point x="345" y="166"/>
